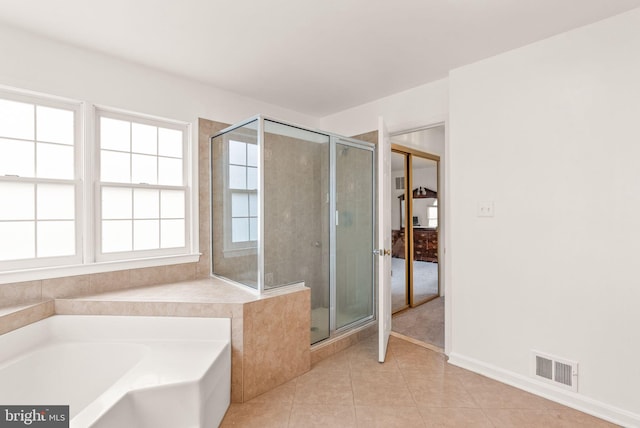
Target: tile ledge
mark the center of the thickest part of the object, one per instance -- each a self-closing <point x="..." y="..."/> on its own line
<point x="6" y="311"/>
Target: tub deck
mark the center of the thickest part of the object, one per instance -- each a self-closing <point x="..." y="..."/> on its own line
<point x="265" y="330"/>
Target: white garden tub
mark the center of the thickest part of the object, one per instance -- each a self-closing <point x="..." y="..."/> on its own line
<point x="117" y="371"/>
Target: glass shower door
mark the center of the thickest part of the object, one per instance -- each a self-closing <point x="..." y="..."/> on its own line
<point x="354" y="233"/>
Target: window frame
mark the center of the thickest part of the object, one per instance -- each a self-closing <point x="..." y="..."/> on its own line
<point x="432" y="219"/>
<point x="240" y="248"/>
<point x="100" y="112"/>
<point x="77" y="108"/>
<point x="86" y="260"/>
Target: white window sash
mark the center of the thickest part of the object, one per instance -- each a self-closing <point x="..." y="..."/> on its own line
<point x="88" y="259"/>
<point x="77" y="107"/>
<point x="187" y="186"/>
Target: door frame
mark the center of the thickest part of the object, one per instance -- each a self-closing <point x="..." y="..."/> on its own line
<point x="333" y="231"/>
<point x="444" y="212"/>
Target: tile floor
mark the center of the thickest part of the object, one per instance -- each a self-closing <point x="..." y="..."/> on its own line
<point x="424" y="323"/>
<point x="414" y="388"/>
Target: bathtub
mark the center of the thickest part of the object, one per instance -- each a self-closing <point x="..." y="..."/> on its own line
<point x="120" y="371"/>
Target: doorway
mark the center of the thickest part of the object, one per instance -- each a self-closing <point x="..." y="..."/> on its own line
<point x="417" y="297"/>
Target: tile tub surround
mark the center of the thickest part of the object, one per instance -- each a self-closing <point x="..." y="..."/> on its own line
<point x="16" y="316"/>
<point x="265" y="330"/>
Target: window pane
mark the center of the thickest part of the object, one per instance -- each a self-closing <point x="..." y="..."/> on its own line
<point x="116" y="203"/>
<point x="116" y="236"/>
<point x="115" y="134"/>
<point x="237" y="153"/>
<point x="55" y="161"/>
<point x="253" y="204"/>
<point x="253" y="229"/>
<point x="172" y="233"/>
<point x="115" y="167"/>
<point x="18" y="202"/>
<point x="170" y="142"/>
<point x="144" y="139"/>
<point x="172" y="205"/>
<point x="56" y="202"/>
<point x="252" y="178"/>
<point x="17" y="158"/>
<point x="170" y="173"/>
<point x="252" y="155"/>
<point x="54" y="125"/>
<point x="146" y="203"/>
<point x="56" y="238"/>
<point x="146" y="234"/>
<point x="144" y="169"/>
<point x="237" y="177"/>
<point x="16" y="120"/>
<point x="18" y="240"/>
<point x="239" y="205"/>
<point x="239" y="229"/>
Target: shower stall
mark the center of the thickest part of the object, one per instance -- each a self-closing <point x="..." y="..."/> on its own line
<point x="291" y="205"/>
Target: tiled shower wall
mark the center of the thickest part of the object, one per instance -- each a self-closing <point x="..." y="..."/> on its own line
<point x="296" y="208"/>
<point x="31" y="291"/>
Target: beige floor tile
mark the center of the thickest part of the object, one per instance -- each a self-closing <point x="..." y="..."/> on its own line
<point x="339" y="362"/>
<point x="389" y="417"/>
<point x="416" y="387"/>
<point x="419" y="357"/>
<point x="283" y="394"/>
<point x="569" y="418"/>
<point x="366" y="360"/>
<point x="257" y="415"/>
<point x="526" y="418"/>
<point x="455" y="418"/>
<point x="318" y="387"/>
<point x="553" y="418"/>
<point x="380" y="389"/>
<point x="322" y="416"/>
<point x="495" y="395"/>
<point x="437" y="390"/>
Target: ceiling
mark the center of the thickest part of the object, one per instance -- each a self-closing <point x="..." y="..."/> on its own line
<point x="314" y="57"/>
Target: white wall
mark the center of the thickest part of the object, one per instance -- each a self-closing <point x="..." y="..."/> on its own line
<point x="40" y="64"/>
<point x="430" y="140"/>
<point x="404" y="111"/>
<point x="550" y="132"/>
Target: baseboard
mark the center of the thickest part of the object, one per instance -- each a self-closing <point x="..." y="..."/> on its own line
<point x="567" y="398"/>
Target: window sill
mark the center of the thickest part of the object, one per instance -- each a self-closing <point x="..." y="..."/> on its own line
<point x="87" y="269"/>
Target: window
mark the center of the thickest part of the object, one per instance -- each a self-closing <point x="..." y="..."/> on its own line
<point x="432" y="214"/>
<point x="142" y="186"/>
<point x="39" y="181"/>
<point x="243" y="185"/>
<point x="68" y="203"/>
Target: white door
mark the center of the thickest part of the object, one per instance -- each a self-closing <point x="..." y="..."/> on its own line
<point x="384" y="239"/>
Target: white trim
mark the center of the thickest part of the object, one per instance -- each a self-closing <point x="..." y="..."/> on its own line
<point x="86" y="182"/>
<point x="560" y="395"/>
<point x="90" y="174"/>
<point x="187" y="179"/>
<point x="76" y="107"/>
<point x="89" y="268"/>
